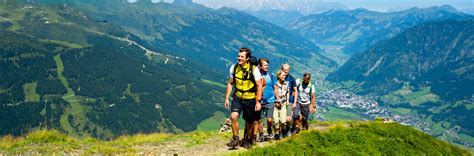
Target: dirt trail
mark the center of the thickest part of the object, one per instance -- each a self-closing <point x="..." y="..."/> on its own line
<point x="213" y="145"/>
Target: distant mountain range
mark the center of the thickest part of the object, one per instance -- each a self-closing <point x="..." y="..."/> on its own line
<point x="433" y="59"/>
<point x="304" y="7"/>
<point x="207" y="36"/>
<point x="277" y="17"/>
<point x="78" y="65"/>
<point x="357" y="30"/>
<point x="61" y="69"/>
<point x="278" y="12"/>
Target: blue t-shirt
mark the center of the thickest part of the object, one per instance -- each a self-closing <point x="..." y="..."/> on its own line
<point x="291" y="83"/>
<point x="268" y="94"/>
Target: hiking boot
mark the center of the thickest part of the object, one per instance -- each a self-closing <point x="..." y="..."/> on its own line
<point x="260" y="137"/>
<point x="270" y="135"/>
<point x="277" y="137"/>
<point x="295" y="131"/>
<point x="253" y="141"/>
<point x="269" y="130"/>
<point x="233" y="142"/>
<point x="283" y="133"/>
<point x="246" y="144"/>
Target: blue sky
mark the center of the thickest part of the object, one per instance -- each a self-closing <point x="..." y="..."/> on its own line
<point x="376" y="5"/>
<point x="384" y="5"/>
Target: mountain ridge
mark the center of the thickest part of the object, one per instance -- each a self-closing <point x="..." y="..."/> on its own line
<point x="426" y="69"/>
<point x="360" y="28"/>
<point x="81" y="81"/>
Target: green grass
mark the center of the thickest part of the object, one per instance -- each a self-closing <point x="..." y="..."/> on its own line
<point x="404" y="91"/>
<point x="64" y="43"/>
<point x="348" y="86"/>
<point x="13" y="17"/>
<point x="3" y="90"/>
<point x="417" y="94"/>
<point x="466" y="137"/>
<point x="438" y="126"/>
<point x="55" y="142"/>
<point x="350" y="83"/>
<point x="446" y="125"/>
<point x="213" y="123"/>
<point x="345" y="138"/>
<point x="135" y="96"/>
<point x="335" y="114"/>
<point x="437" y="110"/>
<point x="215" y="83"/>
<point x="466" y="103"/>
<point x="30" y="92"/>
<point x="372" y="138"/>
<point x="468" y="106"/>
<point x="422" y="96"/>
<point x="401" y="110"/>
<point x="415" y="98"/>
<point x="311" y="64"/>
<point x="76" y="109"/>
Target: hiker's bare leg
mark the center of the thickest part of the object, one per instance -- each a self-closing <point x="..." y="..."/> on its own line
<point x="288" y="123"/>
<point x="255" y="129"/>
<point x="296" y="123"/>
<point x="234" y="116"/>
<point x="269" y="125"/>
<point x="305" y="125"/>
<point x="300" y="123"/>
<point x="248" y="130"/>
<point x="277" y="128"/>
<point x="260" y="126"/>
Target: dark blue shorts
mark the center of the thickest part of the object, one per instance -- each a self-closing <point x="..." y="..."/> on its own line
<point x="267" y="110"/>
<point x="303" y="109"/>
<point x="247" y="107"/>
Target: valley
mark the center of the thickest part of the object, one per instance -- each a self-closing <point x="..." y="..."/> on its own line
<point x="108" y="69"/>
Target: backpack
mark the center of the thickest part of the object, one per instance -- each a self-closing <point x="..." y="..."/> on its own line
<point x="247" y="77"/>
<point x="281" y="86"/>
<point x="310" y="85"/>
<point x="253" y="63"/>
<point x="253" y="60"/>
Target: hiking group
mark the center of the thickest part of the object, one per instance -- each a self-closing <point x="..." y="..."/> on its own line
<point x="260" y="94"/>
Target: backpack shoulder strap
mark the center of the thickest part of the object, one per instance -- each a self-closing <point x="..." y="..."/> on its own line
<point x="271" y="78"/>
<point x="298" y="87"/>
<point x="251" y="77"/>
<point x="235" y="69"/>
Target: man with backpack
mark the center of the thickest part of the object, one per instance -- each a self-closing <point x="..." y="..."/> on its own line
<point x="305" y="104"/>
<point x="292" y="100"/>
<point x="247" y="80"/>
<point x="268" y="99"/>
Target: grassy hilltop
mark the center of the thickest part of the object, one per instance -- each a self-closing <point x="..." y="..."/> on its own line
<point x="361" y="138"/>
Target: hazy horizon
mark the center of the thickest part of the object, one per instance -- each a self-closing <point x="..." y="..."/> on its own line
<point x="378" y="5"/>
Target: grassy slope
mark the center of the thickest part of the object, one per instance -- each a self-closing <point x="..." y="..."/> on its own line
<point x="30" y="92"/>
<point x="76" y="109"/>
<point x="373" y="138"/>
<point x="416" y="98"/>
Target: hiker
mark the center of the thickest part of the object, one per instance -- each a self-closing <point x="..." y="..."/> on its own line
<point x="246" y="79"/>
<point x="305" y="104"/>
<point x="282" y="100"/>
<point x="292" y="100"/>
<point x="268" y="98"/>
